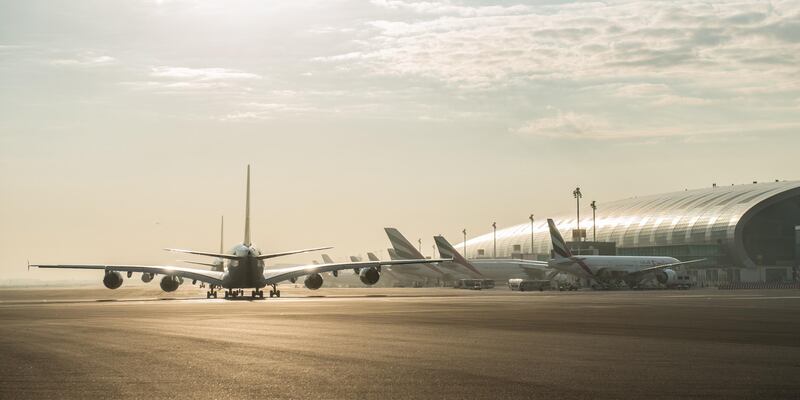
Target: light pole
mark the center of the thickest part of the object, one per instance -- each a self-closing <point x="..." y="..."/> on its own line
<point x="594" y="220"/>
<point x="464" y="231"/>
<point x="420" y="245"/>
<point x="494" y="228"/>
<point x="577" y="194"/>
<point x="531" y="218"/>
<point x="433" y="252"/>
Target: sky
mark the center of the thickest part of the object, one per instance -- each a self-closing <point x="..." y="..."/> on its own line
<point x="126" y="126"/>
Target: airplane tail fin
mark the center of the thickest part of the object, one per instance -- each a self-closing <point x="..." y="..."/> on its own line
<point x="372" y="257"/>
<point x="247" y="212"/>
<point x="446" y="250"/>
<point x="327" y="259"/>
<point x="403" y="248"/>
<point x="222" y="235"/>
<point x="560" y="249"/>
<point x="392" y="254"/>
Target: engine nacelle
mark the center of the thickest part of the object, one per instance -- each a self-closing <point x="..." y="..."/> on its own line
<point x="674" y="279"/>
<point x="667" y="277"/>
<point x="369" y="276"/>
<point x="313" y="281"/>
<point x="169" y="283"/>
<point x="112" y="280"/>
<point x="147" y="277"/>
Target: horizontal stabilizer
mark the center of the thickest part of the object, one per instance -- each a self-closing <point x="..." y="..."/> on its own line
<point x="204" y="253"/>
<point x="288" y="253"/>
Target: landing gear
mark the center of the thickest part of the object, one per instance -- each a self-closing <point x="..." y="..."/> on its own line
<point x="274" y="292"/>
<point x="257" y="294"/>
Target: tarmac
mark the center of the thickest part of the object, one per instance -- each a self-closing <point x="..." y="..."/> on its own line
<point x="382" y="343"/>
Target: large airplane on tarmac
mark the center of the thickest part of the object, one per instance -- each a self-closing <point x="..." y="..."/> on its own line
<point x="245" y="268"/>
<point x="494" y="269"/>
<point x="610" y="270"/>
<point x="402" y="249"/>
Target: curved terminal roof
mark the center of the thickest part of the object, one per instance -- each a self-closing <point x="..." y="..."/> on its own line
<point x="712" y="216"/>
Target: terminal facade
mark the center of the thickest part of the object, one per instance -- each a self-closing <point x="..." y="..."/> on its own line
<point x="745" y="233"/>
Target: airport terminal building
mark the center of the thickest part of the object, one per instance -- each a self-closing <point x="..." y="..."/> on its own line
<point x="746" y="233"/>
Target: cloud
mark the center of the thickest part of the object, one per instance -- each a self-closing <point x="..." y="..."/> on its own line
<point x="201" y="74"/>
<point x="481" y="47"/>
<point x="658" y="94"/>
<point x="574" y="126"/>
<point x="449" y="8"/>
<point x="85" y="60"/>
<point x="566" y="125"/>
<point x="169" y="79"/>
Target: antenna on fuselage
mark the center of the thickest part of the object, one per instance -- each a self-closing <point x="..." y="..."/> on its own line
<point x="247" y="212"/>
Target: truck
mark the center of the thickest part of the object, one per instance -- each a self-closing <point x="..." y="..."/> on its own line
<point x="527" y="285"/>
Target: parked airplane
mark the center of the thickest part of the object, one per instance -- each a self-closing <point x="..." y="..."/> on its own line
<point x="610" y="270"/>
<point x="245" y="268"/>
<point x="496" y="269"/>
<point x="402" y="249"/>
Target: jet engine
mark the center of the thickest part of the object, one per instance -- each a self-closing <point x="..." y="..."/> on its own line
<point x="314" y="281"/>
<point x="169" y="283"/>
<point x="667" y="277"/>
<point x="369" y="276"/>
<point x="147" y="277"/>
<point x="112" y="280"/>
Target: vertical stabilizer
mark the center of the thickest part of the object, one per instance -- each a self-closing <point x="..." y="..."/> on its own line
<point x="401" y="245"/>
<point x="222" y="235"/>
<point x="446" y="250"/>
<point x="560" y="249"/>
<point x="247" y="212"/>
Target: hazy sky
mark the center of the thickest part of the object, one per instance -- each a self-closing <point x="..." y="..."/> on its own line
<point x="125" y="127"/>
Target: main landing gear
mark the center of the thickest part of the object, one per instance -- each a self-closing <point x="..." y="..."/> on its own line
<point x="257" y="294"/>
<point x="232" y="294"/>
<point x="212" y="292"/>
<point x="274" y="292"/>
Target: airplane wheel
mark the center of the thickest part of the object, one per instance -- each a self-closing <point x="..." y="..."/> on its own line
<point x="208" y="295"/>
<point x="214" y="294"/>
<point x="278" y="293"/>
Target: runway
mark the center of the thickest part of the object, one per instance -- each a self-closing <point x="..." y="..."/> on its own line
<point x="400" y="343"/>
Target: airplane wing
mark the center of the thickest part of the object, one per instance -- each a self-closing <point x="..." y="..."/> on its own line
<point x="212" y="277"/>
<point x="662" y="266"/>
<point x="288" y="253"/>
<point x="284" y="274"/>
<point x="524" y="264"/>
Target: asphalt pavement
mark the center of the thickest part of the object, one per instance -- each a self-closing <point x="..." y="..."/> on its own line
<point x="385" y="343"/>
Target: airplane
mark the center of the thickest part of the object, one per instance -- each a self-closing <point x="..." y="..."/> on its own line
<point x="609" y="270"/>
<point x="495" y="269"/>
<point x="402" y="249"/>
<point x="245" y="268"/>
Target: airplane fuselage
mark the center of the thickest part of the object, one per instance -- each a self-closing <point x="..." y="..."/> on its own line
<point x="246" y="271"/>
<point x="607" y="268"/>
